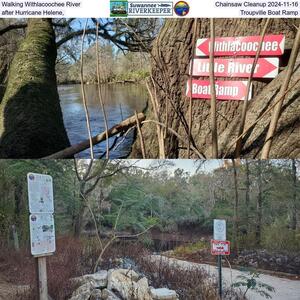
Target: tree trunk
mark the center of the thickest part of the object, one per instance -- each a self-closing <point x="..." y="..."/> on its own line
<point x="294" y="199"/>
<point x="172" y="53"/>
<point x="236" y="212"/>
<point x="78" y="224"/>
<point x="259" y="206"/>
<point x="247" y="196"/>
<point x="31" y="124"/>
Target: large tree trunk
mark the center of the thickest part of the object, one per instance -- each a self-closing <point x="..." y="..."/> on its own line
<point x="31" y="124"/>
<point x="259" y="203"/>
<point x="172" y="53"/>
<point x="294" y="210"/>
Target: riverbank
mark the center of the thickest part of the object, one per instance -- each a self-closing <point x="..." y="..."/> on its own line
<point x="117" y="81"/>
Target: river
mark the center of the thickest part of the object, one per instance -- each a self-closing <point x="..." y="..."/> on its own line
<point x="120" y="101"/>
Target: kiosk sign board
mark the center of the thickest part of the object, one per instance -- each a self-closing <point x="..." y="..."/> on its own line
<point x="40" y="193"/>
<point x="41" y="219"/>
<point x="42" y="234"/>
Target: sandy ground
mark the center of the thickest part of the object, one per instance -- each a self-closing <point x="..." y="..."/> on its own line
<point x="285" y="289"/>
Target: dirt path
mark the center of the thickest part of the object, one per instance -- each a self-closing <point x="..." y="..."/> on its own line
<point x="285" y="289"/>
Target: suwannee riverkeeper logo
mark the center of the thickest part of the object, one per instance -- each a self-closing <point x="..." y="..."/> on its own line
<point x="128" y="8"/>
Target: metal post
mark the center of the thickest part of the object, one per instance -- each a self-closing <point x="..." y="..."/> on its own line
<point x="220" y="275"/>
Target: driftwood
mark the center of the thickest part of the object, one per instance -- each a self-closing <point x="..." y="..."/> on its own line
<point x="123" y="126"/>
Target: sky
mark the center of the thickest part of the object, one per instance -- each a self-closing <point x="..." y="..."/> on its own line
<point x="187" y="165"/>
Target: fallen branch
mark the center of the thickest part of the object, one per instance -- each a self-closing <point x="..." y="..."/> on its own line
<point x="123" y="126"/>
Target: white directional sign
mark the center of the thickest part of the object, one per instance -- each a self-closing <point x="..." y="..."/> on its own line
<point x="42" y="233"/>
<point x="219" y="230"/>
<point x="40" y="193"/>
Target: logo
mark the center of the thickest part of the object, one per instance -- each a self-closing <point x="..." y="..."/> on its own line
<point x="118" y="8"/>
<point x="181" y="8"/>
<point x="150" y="8"/>
<point x="31" y="177"/>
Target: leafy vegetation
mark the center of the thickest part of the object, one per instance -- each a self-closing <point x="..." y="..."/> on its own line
<point x="171" y="201"/>
<point x="251" y="282"/>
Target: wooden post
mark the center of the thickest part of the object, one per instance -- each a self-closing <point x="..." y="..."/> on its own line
<point x="42" y="278"/>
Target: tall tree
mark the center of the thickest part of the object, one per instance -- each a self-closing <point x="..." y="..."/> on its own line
<point x="294" y="208"/>
<point x="247" y="194"/>
<point x="236" y="210"/>
<point x="259" y="204"/>
<point x="31" y="124"/>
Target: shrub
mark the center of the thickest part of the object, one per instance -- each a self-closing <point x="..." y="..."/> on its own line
<point x="278" y="236"/>
<point x="19" y="269"/>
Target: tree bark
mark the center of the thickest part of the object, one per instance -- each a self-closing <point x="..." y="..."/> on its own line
<point x="294" y="199"/>
<point x="236" y="212"/>
<point x="247" y="195"/>
<point x="31" y="123"/>
<point x="172" y="53"/>
<point x="259" y="203"/>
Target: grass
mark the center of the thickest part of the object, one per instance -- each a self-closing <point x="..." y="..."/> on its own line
<point x="188" y="249"/>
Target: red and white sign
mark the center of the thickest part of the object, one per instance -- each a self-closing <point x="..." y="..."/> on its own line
<point x="273" y="45"/>
<point x="239" y="67"/>
<point x="220" y="247"/>
<point x="225" y="90"/>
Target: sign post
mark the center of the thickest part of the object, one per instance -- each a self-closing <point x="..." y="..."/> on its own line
<point x="219" y="247"/>
<point x="220" y="275"/>
<point x="41" y="220"/>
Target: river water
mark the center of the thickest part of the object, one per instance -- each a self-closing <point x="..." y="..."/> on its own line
<point x="120" y="101"/>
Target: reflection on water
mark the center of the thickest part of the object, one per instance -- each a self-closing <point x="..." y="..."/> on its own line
<point x="120" y="103"/>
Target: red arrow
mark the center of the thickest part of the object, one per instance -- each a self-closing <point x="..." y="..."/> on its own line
<point x="203" y="47"/>
<point x="267" y="68"/>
